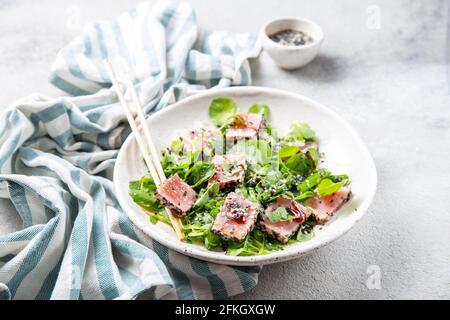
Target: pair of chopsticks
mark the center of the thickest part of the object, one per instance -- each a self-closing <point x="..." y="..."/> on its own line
<point x="145" y="142"/>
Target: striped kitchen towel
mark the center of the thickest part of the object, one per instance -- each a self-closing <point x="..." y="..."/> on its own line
<point x="57" y="157"/>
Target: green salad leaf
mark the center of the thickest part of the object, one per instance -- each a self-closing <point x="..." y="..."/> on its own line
<point x="199" y="173"/>
<point x="253" y="150"/>
<point x="313" y="180"/>
<point x="304" y="196"/>
<point x="260" y="108"/>
<point x="322" y="182"/>
<point x="212" y="240"/>
<point x="206" y="195"/>
<point x="300" y="164"/>
<point x="255" y="243"/>
<point x="197" y="224"/>
<point x="327" y="187"/>
<point x="270" y="187"/>
<point x="144" y="199"/>
<point x="280" y="214"/>
<point x="313" y="155"/>
<point x="221" y="110"/>
<point x="288" y="151"/>
<point x="177" y="146"/>
<point x="302" y="131"/>
<point x="147" y="184"/>
<point x="142" y="192"/>
<point x="304" y="236"/>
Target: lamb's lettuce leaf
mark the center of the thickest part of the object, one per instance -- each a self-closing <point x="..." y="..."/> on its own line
<point x="221" y="110"/>
<point x="260" y="108"/>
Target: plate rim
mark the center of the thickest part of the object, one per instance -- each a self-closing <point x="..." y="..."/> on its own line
<point x="275" y="256"/>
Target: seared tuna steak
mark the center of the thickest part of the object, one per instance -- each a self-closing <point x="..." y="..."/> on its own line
<point x="236" y="218"/>
<point x="324" y="207"/>
<point x="283" y="230"/>
<point x="245" y="126"/>
<point x="176" y="195"/>
<point x="230" y="170"/>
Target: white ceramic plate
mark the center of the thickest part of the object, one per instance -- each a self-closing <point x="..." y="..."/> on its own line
<point x="344" y="153"/>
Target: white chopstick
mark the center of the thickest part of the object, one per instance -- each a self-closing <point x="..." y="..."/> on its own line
<point x="151" y="160"/>
<point x="146" y="130"/>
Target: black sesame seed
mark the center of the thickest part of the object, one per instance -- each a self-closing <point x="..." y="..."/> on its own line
<point x="291" y="37"/>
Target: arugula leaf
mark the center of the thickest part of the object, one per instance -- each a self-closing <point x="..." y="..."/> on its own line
<point x="252" y="194"/>
<point x="134" y="184"/>
<point x="256" y="243"/>
<point x="221" y="110"/>
<point x="196" y="230"/>
<point x="300" y="164"/>
<point x="314" y="155"/>
<point x="302" y="236"/>
<point x="288" y="151"/>
<point x="339" y="177"/>
<point x="249" y="193"/>
<point x="145" y="200"/>
<point x="304" y="196"/>
<point x="230" y="168"/>
<point x="199" y="173"/>
<point x="147" y="184"/>
<point x="253" y="150"/>
<point x="176" y="145"/>
<point x="280" y="214"/>
<point x="169" y="164"/>
<point x="261" y="169"/>
<point x="142" y="192"/>
<point x="322" y="182"/>
<point x="271" y="186"/>
<point x="302" y="131"/>
<point x="212" y="240"/>
<point x="313" y="180"/>
<point x="197" y="224"/>
<point x="260" y="108"/>
<point x="327" y="187"/>
<point x="160" y="216"/>
<point x="206" y="195"/>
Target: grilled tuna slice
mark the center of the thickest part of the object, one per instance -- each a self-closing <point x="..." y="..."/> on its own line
<point x="236" y="218"/>
<point x="230" y="170"/>
<point x="324" y="207"/>
<point x="245" y="126"/>
<point x="283" y="230"/>
<point x="176" y="195"/>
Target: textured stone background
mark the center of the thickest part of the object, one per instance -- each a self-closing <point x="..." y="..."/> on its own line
<point x="389" y="83"/>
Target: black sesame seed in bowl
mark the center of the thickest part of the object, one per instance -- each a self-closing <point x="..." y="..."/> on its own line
<point x="291" y="42"/>
<point x="291" y="37"/>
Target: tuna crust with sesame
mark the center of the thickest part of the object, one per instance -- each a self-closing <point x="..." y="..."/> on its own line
<point x="176" y="195"/>
<point x="236" y="218"/>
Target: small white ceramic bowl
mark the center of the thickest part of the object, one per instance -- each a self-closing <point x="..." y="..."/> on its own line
<point x="292" y="57"/>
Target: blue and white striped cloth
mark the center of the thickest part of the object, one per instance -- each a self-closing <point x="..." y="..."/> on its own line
<point x="57" y="157"/>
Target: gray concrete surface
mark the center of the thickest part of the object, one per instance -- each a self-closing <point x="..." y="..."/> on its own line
<point x="389" y="82"/>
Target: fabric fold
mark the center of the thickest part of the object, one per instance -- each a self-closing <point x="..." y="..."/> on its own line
<point x="57" y="157"/>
